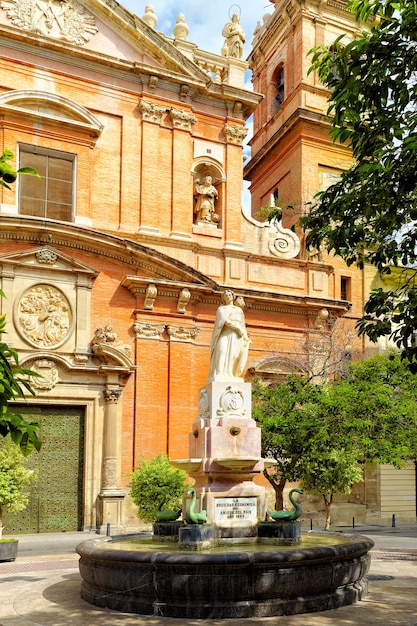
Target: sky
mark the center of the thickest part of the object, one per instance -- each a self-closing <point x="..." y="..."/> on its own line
<point x="205" y="19"/>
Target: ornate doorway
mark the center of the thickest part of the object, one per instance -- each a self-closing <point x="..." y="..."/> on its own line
<point x="56" y="497"/>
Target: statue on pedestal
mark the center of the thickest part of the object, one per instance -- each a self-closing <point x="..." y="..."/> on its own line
<point x="234" y="38"/>
<point x="229" y="342"/>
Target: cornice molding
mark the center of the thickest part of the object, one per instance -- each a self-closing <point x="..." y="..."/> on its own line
<point x="75" y="237"/>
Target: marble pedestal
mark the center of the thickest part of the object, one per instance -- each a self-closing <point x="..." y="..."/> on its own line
<point x="225" y="457"/>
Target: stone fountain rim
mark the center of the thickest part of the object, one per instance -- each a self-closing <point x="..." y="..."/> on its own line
<point x="354" y="546"/>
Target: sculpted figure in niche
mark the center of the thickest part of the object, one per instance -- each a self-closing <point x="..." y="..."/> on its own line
<point x="229" y="341"/>
<point x="206" y="195"/>
<point x="234" y="38"/>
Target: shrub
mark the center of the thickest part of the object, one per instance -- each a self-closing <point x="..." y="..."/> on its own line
<point x="156" y="483"/>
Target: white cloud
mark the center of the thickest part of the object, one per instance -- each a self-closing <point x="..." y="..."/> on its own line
<point x="205" y="19"/>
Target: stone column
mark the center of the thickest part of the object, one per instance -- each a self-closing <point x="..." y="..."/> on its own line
<point x="111" y="496"/>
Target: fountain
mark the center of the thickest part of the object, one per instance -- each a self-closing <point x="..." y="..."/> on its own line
<point x="225" y="560"/>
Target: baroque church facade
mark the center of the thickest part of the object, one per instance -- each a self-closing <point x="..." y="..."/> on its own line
<point x="114" y="260"/>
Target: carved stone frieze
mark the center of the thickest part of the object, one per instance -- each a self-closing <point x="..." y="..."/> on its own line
<point x="151" y="112"/>
<point x="61" y="19"/>
<point x="48" y="375"/>
<point x="44" y="316"/>
<point x="182" y="119"/>
<point x="148" y="331"/>
<point x="235" y="134"/>
<point x="179" y="333"/>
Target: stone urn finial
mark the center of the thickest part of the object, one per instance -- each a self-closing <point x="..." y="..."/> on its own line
<point x="180" y="29"/>
<point x="150" y="17"/>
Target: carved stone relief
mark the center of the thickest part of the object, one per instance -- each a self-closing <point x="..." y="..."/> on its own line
<point x="48" y="372"/>
<point x="105" y="335"/>
<point x="151" y="293"/>
<point x="179" y="333"/>
<point x="44" y="316"/>
<point x="203" y="404"/>
<point x="151" y="112"/>
<point x="182" y="119"/>
<point x="62" y="19"/>
<point x="283" y="243"/>
<point x="231" y="402"/>
<point x="112" y="395"/>
<point x="47" y="256"/>
<point x="149" y="331"/>
<point x="235" y="134"/>
<point x="183" y="300"/>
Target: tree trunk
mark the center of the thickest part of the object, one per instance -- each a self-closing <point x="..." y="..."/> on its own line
<point x="328" y="499"/>
<point x="278" y="488"/>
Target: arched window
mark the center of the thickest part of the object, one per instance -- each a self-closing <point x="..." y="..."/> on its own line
<point x="279" y="85"/>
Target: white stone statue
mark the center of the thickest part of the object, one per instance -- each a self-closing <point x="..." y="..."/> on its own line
<point x="234" y="38"/>
<point x="229" y="341"/>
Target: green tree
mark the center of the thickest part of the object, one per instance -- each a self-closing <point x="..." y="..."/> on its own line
<point x="369" y="214"/>
<point x="285" y="429"/>
<point x="328" y="472"/>
<point x="14" y="479"/>
<point x="321" y="434"/>
<point x="156" y="483"/>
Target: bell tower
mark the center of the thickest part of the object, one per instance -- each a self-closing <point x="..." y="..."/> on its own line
<point x="293" y="155"/>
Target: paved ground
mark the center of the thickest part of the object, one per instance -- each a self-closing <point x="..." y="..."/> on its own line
<point x="41" y="588"/>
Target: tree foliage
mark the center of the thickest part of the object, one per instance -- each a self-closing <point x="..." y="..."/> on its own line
<point x="14" y="379"/>
<point x="14" y="479"/>
<point x="156" y="483"/>
<point x="369" y="214"/>
<point x="8" y="174"/>
<point x="13" y="385"/>
<point x="285" y="429"/>
<point x="321" y="434"/>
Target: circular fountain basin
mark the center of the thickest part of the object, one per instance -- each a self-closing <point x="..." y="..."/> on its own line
<point x="144" y="577"/>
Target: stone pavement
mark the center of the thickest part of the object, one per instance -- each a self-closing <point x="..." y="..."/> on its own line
<point x="41" y="588"/>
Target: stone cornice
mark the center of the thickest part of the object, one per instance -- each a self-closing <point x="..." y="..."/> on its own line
<point x="254" y="299"/>
<point x="168" y="274"/>
<point x="71" y="236"/>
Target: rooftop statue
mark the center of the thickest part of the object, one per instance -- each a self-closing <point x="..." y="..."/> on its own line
<point x="234" y="38"/>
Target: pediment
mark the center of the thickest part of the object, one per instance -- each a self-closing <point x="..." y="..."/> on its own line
<point x="107" y="30"/>
<point x="46" y="258"/>
<point x="49" y="106"/>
